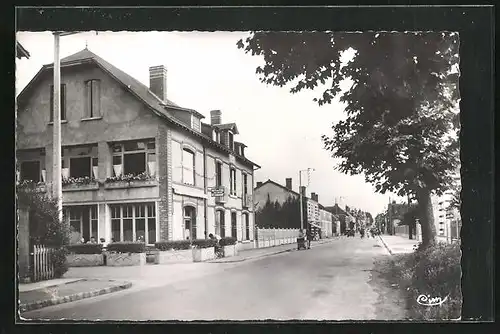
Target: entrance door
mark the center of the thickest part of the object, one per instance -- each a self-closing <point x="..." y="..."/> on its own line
<point x="189" y="223"/>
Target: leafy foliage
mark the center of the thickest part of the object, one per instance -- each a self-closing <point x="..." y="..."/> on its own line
<point x="126" y="247"/>
<point x="78" y="180"/>
<point x="402" y="120"/>
<point x="130" y="177"/>
<point x="433" y="271"/>
<point x="85" y="249"/>
<point x="227" y="241"/>
<point x="276" y="215"/>
<point x="204" y="243"/>
<point x="45" y="226"/>
<point x="173" y="245"/>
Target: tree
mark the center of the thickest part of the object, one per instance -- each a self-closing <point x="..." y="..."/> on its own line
<point x="401" y="107"/>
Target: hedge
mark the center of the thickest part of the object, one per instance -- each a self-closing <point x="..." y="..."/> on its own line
<point x="227" y="241"/>
<point x="204" y="243"/>
<point x="434" y="271"/>
<point x="175" y="245"/>
<point x="85" y="249"/>
<point x="127" y="247"/>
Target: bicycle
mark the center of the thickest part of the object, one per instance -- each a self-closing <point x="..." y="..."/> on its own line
<point x="219" y="252"/>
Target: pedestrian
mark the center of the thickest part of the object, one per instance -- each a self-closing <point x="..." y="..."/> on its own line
<point x="309" y="238"/>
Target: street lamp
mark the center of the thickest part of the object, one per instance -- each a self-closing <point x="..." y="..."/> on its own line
<point x="300" y="194"/>
<point x="56" y="159"/>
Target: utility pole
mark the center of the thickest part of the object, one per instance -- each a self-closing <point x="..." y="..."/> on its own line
<point x="300" y="200"/>
<point x="56" y="159"/>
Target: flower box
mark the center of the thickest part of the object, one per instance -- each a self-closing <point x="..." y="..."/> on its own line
<point x="173" y="256"/>
<point x="130" y="184"/>
<point x="125" y="259"/>
<point x="80" y="186"/>
<point x="230" y="250"/>
<point x="203" y="254"/>
<point x="85" y="260"/>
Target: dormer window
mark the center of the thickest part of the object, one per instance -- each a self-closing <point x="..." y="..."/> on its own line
<point x="230" y="142"/>
<point x="195" y="123"/>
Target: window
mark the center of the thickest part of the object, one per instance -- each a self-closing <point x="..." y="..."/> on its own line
<point x="245" y="185"/>
<point x="218" y="174"/>
<point x="80" y="167"/>
<point x="220" y="227"/>
<point x="30" y="170"/>
<point x="233" y="181"/>
<point x="63" y="102"/>
<point x="189" y="222"/>
<point x="83" y="221"/>
<point x="233" y="224"/>
<point x="92" y="98"/>
<point x="134" y="157"/>
<point x="188" y="167"/>
<point x="134" y="222"/>
<point x="246" y="226"/>
<point x="231" y="140"/>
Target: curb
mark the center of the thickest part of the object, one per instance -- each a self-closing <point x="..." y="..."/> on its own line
<point x="386" y="246"/>
<point x="253" y="257"/>
<point x="269" y="254"/>
<point x="74" y="297"/>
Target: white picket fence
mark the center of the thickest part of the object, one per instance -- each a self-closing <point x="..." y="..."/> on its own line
<point x="276" y="236"/>
<point x="43" y="269"/>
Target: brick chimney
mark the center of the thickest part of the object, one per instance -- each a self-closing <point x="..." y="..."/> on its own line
<point x="303" y="191"/>
<point x="215" y="117"/>
<point x="288" y="183"/>
<point x="259" y="184"/>
<point x="158" y="81"/>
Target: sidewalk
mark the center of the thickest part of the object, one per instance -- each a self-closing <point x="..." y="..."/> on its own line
<point x="396" y="244"/>
<point x="256" y="253"/>
<point x="52" y="292"/>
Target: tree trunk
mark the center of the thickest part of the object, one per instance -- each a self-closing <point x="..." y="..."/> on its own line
<point x="426" y="217"/>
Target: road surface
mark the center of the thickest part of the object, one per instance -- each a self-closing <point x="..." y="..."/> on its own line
<point x="333" y="281"/>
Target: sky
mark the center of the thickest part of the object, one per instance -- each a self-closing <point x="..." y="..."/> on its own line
<point x="206" y="71"/>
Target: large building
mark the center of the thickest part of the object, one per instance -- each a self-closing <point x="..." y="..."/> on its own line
<point x="135" y="164"/>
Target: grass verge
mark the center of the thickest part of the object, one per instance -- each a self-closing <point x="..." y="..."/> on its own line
<point x="432" y="272"/>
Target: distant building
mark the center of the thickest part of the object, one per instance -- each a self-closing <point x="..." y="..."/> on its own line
<point x="345" y="219"/>
<point x="275" y="191"/>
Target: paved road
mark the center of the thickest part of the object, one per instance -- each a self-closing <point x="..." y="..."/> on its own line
<point x="333" y="281"/>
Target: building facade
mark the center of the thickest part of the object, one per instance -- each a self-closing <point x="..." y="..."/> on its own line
<point x="135" y="165"/>
<point x="274" y="191"/>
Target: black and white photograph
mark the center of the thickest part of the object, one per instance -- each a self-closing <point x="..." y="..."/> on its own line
<point x="238" y="175"/>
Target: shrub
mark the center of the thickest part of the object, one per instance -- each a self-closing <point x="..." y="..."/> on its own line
<point x="227" y="241"/>
<point x="85" y="249"/>
<point x="127" y="247"/>
<point x="204" y="243"/>
<point x="433" y="271"/>
<point x="173" y="245"/>
<point x="45" y="226"/>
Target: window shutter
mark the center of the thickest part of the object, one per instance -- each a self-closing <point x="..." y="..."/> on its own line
<point x="96" y="98"/>
<point x="63" y="102"/>
<point x="239" y="187"/>
<point x="87" y="99"/>
<point x="51" y="108"/>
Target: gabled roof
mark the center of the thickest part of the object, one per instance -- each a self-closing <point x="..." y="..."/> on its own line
<point x="21" y="51"/>
<point x="228" y="126"/>
<point x="337" y="210"/>
<point x="278" y="185"/>
<point x="240" y="144"/>
<point x="136" y="88"/>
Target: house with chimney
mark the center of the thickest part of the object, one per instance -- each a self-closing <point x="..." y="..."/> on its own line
<point x="315" y="216"/>
<point x="345" y="219"/>
<point x="135" y="165"/>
